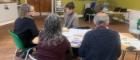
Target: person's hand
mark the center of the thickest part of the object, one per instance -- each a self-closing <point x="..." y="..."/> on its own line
<point x="65" y="29"/>
<point x="36" y="40"/>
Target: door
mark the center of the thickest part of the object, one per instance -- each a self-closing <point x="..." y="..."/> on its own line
<point x="45" y="5"/>
<point x="41" y="5"/>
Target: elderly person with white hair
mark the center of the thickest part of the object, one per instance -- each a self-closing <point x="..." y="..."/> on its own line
<point x="25" y="26"/>
<point x="101" y="43"/>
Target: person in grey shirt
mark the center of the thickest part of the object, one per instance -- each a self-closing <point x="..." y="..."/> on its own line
<point x="70" y="17"/>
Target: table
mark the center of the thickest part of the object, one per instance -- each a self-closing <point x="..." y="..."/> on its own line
<point x="79" y="16"/>
<point x="75" y="37"/>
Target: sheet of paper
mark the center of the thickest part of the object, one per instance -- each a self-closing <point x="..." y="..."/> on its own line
<point x="131" y="42"/>
<point x="75" y="36"/>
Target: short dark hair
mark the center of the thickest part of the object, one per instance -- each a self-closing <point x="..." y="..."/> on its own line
<point x="70" y="5"/>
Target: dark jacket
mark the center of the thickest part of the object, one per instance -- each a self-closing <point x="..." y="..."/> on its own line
<point x="50" y="52"/>
<point x="100" y="44"/>
<point x="26" y="29"/>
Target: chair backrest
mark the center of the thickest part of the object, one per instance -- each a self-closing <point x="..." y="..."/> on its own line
<point x="138" y="24"/>
<point x="18" y="42"/>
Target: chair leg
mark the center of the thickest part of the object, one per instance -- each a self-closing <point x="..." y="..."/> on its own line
<point x="89" y="19"/>
<point x="26" y="57"/>
<point x="31" y="57"/>
<point x="123" y="54"/>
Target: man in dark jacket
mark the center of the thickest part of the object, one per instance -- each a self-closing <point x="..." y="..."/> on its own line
<point x="25" y="26"/>
<point x="101" y="43"/>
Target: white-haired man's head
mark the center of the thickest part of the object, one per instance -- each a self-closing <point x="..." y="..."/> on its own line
<point x="101" y="18"/>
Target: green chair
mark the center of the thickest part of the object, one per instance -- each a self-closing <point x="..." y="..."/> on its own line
<point x="19" y="45"/>
<point x="138" y="24"/>
<point x="17" y="40"/>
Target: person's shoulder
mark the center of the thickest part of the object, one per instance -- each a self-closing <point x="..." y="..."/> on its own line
<point x="90" y="32"/>
<point x="75" y="14"/>
<point x="114" y="32"/>
<point x="25" y="19"/>
<point x="18" y="19"/>
<point x="28" y="19"/>
<point x="64" y="37"/>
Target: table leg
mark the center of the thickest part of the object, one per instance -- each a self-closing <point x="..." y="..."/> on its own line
<point x="139" y="56"/>
<point x="136" y="57"/>
<point x="123" y="54"/>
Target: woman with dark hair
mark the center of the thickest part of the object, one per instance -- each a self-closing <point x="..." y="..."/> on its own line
<point x="52" y="45"/>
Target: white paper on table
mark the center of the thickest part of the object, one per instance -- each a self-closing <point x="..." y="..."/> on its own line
<point x="131" y="42"/>
<point x="75" y="36"/>
<point x="135" y="43"/>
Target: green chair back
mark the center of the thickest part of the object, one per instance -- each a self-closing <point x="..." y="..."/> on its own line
<point x="18" y="42"/>
<point x="138" y="24"/>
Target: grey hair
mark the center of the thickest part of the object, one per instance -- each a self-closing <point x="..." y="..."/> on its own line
<point x="53" y="30"/>
<point x="101" y="19"/>
<point x="24" y="9"/>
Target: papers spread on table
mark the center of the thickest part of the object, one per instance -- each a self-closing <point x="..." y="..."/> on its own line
<point x="131" y="42"/>
<point x="75" y="36"/>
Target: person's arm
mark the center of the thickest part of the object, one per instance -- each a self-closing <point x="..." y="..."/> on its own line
<point x="75" y="21"/>
<point x="33" y="28"/>
<point x="65" y="20"/>
<point x="118" y="45"/>
<point x="69" y="52"/>
<point x="83" y="47"/>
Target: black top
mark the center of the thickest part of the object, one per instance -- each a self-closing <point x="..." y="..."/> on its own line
<point x="26" y="29"/>
<point x="101" y="44"/>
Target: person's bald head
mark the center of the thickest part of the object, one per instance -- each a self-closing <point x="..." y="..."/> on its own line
<point x="101" y="18"/>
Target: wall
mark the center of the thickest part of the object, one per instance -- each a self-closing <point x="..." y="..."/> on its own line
<point x="131" y="4"/>
<point x="134" y="14"/>
<point x="79" y="4"/>
<point x="22" y="1"/>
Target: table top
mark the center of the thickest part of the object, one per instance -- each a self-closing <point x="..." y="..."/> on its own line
<point x="134" y="31"/>
<point x="75" y="37"/>
<point x="79" y="15"/>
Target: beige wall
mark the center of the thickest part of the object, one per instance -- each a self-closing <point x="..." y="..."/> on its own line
<point x="131" y="4"/>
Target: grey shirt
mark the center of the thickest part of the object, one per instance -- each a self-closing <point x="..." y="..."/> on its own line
<point x="71" y="21"/>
